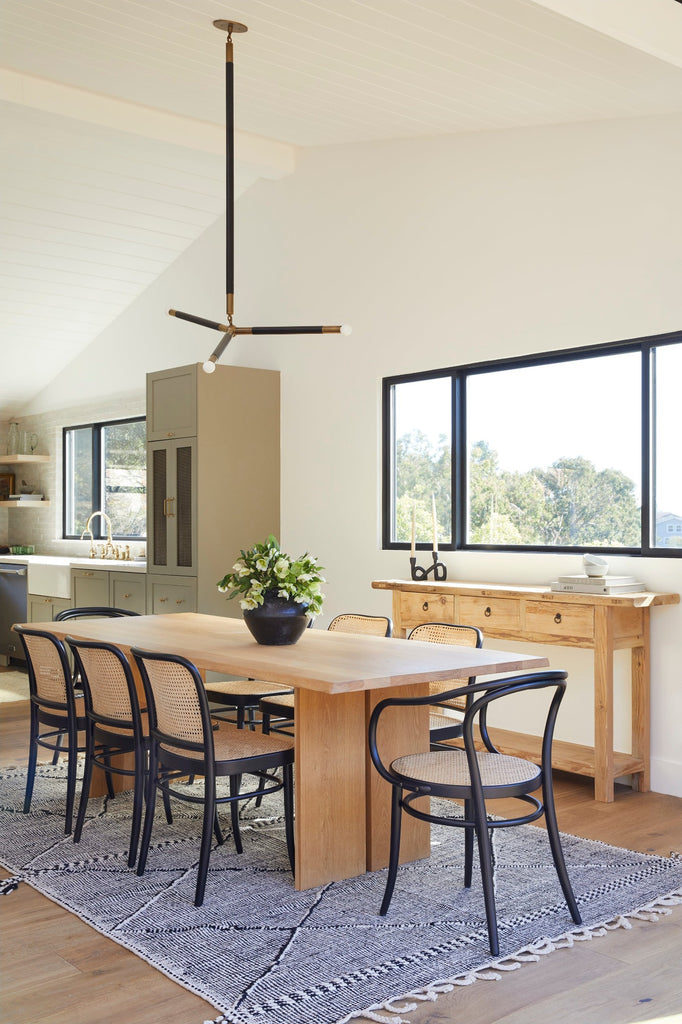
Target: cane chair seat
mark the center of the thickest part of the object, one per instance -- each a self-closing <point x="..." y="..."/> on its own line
<point x="183" y="742"/>
<point x="449" y="769"/>
<point x="282" y="708"/>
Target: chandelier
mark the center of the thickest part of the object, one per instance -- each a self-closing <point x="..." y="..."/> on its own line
<point x="230" y="329"/>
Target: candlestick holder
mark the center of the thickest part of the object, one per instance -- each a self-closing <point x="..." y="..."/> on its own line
<point x="417" y="572"/>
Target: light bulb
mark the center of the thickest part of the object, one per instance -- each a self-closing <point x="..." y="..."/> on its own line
<point x="346" y="329"/>
<point x="209" y="367"/>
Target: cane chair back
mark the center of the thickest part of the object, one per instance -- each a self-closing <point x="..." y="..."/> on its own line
<point x="54" y="704"/>
<point x="281" y="709"/>
<point x="183" y="742"/>
<point x="444" y="726"/>
<point x="476" y="776"/>
<point x="115" y="726"/>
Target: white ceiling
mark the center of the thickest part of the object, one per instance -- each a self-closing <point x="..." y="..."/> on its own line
<point x="112" y="112"/>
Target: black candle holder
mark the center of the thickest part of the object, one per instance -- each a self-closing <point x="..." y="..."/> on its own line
<point x="417" y="572"/>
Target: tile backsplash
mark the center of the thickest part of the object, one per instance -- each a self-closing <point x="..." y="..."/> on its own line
<point x="43" y="527"/>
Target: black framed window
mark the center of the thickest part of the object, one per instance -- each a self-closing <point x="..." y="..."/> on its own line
<point x="105" y="470"/>
<point x="566" y="451"/>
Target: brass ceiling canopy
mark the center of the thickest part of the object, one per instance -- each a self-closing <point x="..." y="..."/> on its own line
<point x="230" y="329"/>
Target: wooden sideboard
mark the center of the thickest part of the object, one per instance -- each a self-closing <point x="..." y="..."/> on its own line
<point x="601" y="623"/>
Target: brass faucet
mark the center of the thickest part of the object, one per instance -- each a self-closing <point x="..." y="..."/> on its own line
<point x="108" y="550"/>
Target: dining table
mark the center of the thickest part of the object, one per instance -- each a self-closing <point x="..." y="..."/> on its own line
<point x="342" y="805"/>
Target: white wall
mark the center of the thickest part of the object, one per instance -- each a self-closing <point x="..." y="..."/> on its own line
<point x="438" y="252"/>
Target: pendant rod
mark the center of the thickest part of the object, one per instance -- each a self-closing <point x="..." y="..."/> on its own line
<point x="229" y="176"/>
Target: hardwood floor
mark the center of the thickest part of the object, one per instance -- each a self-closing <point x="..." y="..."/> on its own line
<point x="58" y="970"/>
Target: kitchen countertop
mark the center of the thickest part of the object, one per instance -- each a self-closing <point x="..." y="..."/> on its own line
<point x="77" y="562"/>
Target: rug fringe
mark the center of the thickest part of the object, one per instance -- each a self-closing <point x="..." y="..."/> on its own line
<point x="651" y="912"/>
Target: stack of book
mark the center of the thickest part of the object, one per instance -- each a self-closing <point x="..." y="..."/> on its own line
<point x="582" y="584"/>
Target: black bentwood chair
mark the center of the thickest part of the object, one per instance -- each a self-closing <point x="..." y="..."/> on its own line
<point x="115" y="725"/>
<point x="282" y="708"/>
<point x="476" y="777"/>
<point x="443" y="725"/>
<point x="183" y="742"/>
<point x="53" y="704"/>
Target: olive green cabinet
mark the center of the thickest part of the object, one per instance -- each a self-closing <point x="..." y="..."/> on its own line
<point x="213" y="479"/>
<point x="44" y="609"/>
<point x="128" y="590"/>
<point x="100" y="588"/>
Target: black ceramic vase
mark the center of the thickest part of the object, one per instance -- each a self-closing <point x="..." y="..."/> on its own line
<point x="277" y="621"/>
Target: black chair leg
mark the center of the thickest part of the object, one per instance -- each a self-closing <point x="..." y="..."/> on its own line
<point x="265" y="722"/>
<point x="85" y="786"/>
<point x="558" y="853"/>
<point x="288" y="777"/>
<point x="217" y="830"/>
<point x="166" y="799"/>
<point x="58" y="748"/>
<point x="71" y="783"/>
<point x="487" y="878"/>
<point x="32" y="759"/>
<point x="107" y="774"/>
<point x="206" y="838"/>
<point x="235" y="785"/>
<point x="468" y="845"/>
<point x="149" y="815"/>
<point x="138" y="801"/>
<point x="396" y="816"/>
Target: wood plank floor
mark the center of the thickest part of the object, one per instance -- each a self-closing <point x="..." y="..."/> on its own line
<point x="58" y="970"/>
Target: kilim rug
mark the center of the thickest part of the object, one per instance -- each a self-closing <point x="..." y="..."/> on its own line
<point x="261" y="952"/>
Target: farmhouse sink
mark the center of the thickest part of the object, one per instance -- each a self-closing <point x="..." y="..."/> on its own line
<point x="51" y="579"/>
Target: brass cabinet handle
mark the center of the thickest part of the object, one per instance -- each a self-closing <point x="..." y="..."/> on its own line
<point x="425" y="606"/>
<point x="180" y="600"/>
<point x="488" y="612"/>
<point x="162" y="599"/>
<point x="166" y="508"/>
<point x="126" y="596"/>
<point x="170" y="433"/>
<point x="557" y="617"/>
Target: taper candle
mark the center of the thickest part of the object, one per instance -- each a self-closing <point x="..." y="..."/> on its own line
<point x="435" y="524"/>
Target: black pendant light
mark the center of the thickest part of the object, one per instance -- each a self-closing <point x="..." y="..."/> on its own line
<point x="230" y="329"/>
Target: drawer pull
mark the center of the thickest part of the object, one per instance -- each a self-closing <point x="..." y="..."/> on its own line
<point x="162" y="599"/>
<point x="488" y="612"/>
<point x="126" y="596"/>
<point x="557" y="617"/>
<point x="425" y="606"/>
<point x="180" y="600"/>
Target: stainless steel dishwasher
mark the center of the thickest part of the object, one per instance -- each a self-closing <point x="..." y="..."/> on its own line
<point x="13" y="608"/>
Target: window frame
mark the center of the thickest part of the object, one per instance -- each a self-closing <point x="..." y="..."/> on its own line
<point x="646" y="346"/>
<point x="98" y="526"/>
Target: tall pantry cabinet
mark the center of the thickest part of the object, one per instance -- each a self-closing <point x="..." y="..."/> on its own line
<point x="213" y="458"/>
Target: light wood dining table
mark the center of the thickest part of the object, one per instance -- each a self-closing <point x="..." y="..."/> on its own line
<point x="342" y="804"/>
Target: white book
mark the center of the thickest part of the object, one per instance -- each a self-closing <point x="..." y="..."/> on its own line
<point x="597" y="588"/>
<point x="611" y="581"/>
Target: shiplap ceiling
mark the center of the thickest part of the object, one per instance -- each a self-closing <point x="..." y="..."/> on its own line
<point x="112" y="111"/>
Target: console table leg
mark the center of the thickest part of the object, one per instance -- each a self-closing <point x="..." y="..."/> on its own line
<point x="641" y="724"/>
<point x="603" y="705"/>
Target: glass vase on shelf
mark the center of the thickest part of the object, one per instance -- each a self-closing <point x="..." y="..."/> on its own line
<point x="13" y="439"/>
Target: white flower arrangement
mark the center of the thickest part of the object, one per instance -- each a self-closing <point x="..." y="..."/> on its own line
<point x="266" y="570"/>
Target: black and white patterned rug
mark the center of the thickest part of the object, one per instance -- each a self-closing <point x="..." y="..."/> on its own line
<point x="260" y="952"/>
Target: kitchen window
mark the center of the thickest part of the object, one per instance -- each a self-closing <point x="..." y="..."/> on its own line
<point x="569" y="451"/>
<point x="105" y="470"/>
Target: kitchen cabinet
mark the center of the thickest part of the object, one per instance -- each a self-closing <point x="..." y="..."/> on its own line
<point x="128" y="590"/>
<point x="213" y="479"/>
<point x="89" y="588"/>
<point x="43" y="609"/>
<point x="101" y="588"/>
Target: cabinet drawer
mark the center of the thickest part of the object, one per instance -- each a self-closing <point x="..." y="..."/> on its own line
<point x="488" y="613"/>
<point x="560" y="620"/>
<point x="128" y="590"/>
<point x="168" y="595"/>
<point x="416" y="608"/>
<point x="90" y="588"/>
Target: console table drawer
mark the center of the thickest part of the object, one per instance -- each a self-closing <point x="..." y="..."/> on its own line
<point x="560" y="620"/>
<point x="488" y="613"/>
<point x="416" y="608"/>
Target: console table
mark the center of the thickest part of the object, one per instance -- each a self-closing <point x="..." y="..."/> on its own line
<point x="601" y="623"/>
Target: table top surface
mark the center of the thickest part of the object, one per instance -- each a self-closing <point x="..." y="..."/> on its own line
<point x="330" y="662"/>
